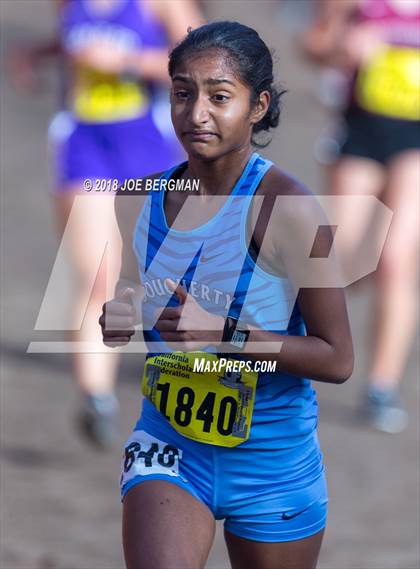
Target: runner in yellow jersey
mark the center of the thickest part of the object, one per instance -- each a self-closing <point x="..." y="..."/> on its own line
<point x="376" y="43"/>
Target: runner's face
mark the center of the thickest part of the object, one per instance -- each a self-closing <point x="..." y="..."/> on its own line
<point x="210" y="106"/>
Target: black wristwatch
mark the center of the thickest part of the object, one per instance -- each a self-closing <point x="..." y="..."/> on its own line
<point x="235" y="334"/>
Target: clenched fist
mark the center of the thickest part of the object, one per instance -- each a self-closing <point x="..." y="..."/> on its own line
<point x="118" y="319"/>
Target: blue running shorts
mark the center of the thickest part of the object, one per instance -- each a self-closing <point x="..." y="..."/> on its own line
<point x="267" y="495"/>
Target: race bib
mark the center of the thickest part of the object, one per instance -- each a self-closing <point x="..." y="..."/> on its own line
<point x="103" y="98"/>
<point x="211" y="404"/>
<point x="145" y="455"/>
<point x="390" y="84"/>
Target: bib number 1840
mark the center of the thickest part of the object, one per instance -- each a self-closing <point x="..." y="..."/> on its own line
<point x="184" y="410"/>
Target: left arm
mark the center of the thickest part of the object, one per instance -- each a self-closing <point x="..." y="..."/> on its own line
<point x="176" y="16"/>
<point x="326" y="353"/>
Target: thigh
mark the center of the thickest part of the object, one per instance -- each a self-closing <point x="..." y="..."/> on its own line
<point x="402" y="195"/>
<point x="164" y="526"/>
<point x="90" y="237"/>
<point x="300" y="554"/>
<point x="399" y="256"/>
<point x="355" y="176"/>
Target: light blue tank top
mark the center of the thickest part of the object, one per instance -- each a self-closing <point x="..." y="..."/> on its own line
<point x="213" y="263"/>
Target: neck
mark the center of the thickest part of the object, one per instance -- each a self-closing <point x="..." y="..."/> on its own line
<point x="219" y="176"/>
<point x="103" y="6"/>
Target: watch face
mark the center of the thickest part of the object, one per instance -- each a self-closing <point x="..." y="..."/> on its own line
<point x="239" y="338"/>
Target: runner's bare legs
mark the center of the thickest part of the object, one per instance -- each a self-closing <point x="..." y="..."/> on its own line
<point x="395" y="311"/>
<point x="87" y="227"/>
<point x="165" y="527"/>
<point x="247" y="554"/>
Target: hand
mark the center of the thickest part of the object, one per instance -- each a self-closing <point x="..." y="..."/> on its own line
<point x="118" y="319"/>
<point x="188" y="327"/>
<point x="103" y="57"/>
<point x="361" y="43"/>
<point x="21" y="67"/>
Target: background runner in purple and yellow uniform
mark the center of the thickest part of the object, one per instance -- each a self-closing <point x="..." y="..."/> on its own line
<point x="121" y="124"/>
<point x="116" y="126"/>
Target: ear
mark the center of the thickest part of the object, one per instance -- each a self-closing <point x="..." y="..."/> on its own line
<point x="260" y="107"/>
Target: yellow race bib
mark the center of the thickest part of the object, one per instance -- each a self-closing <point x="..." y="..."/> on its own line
<point x="389" y="85"/>
<point x="208" y="403"/>
<point x="102" y="98"/>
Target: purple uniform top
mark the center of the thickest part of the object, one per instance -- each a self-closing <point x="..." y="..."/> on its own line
<point x="129" y="25"/>
<point x="117" y="126"/>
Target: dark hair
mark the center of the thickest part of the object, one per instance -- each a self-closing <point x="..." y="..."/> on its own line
<point x="250" y="57"/>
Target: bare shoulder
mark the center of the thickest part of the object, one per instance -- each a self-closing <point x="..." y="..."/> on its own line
<point x="277" y="182"/>
<point x="290" y="212"/>
<point x="287" y="197"/>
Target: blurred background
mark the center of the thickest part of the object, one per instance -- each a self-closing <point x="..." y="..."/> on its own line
<point x="59" y="496"/>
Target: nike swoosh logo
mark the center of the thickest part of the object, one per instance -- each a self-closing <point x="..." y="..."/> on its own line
<point x="207" y="259"/>
<point x="286" y="516"/>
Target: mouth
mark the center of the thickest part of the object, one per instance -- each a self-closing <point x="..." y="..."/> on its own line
<point x="200" y="135"/>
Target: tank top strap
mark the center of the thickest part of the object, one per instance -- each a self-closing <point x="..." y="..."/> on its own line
<point x="252" y="175"/>
<point x="258" y="168"/>
<point x="157" y="196"/>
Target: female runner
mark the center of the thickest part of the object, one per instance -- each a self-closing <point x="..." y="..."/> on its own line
<point x="216" y="440"/>
<point x="376" y="43"/>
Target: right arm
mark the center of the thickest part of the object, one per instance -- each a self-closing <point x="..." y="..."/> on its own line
<point x="325" y="41"/>
<point x="126" y="213"/>
<point x="23" y="62"/>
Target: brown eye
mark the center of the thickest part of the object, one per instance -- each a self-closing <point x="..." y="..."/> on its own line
<point x="181" y="95"/>
<point x="220" y="98"/>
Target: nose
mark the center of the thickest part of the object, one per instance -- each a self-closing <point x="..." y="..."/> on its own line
<point x="200" y="111"/>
